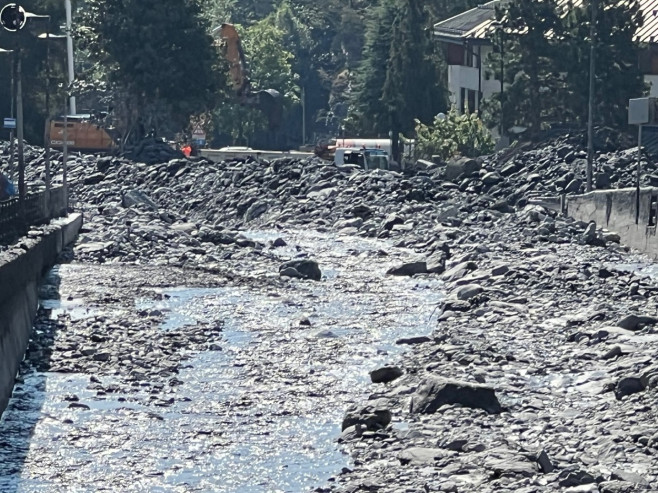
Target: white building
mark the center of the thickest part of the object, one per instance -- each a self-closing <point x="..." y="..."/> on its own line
<point x="466" y="38"/>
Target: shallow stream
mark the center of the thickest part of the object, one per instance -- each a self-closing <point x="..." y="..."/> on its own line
<point x="259" y="412"/>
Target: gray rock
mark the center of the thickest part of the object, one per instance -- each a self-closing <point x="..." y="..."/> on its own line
<point x="574" y="477"/>
<point x="375" y="415"/>
<point x="628" y="386"/>
<point x="386" y="374"/>
<point x="636" y="322"/>
<point x="461" y="167"/>
<point x="307" y="269"/>
<point x="422" y="456"/>
<point x="408" y="269"/>
<point x="136" y="197"/>
<point x="436" y="392"/>
<point x="468" y="291"/>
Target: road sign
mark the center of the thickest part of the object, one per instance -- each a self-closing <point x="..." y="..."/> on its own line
<point x="199" y="137"/>
<point x="9" y="123"/>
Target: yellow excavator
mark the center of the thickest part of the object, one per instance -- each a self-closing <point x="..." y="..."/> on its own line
<point x="267" y="101"/>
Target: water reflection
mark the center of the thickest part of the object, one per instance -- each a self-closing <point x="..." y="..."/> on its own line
<point x="259" y="413"/>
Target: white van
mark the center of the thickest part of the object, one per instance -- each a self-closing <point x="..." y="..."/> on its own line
<point x="363" y="157"/>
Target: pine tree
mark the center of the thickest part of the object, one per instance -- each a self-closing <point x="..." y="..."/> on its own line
<point x="535" y="88"/>
<point x="368" y="116"/>
<point x="618" y="75"/>
<point x="401" y="77"/>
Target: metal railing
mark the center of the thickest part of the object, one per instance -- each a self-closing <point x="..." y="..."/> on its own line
<point x="39" y="209"/>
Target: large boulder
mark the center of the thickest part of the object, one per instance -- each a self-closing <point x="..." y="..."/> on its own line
<point x="461" y="167"/>
<point x="436" y="392"/>
<point x="307" y="269"/>
<point x="373" y="416"/>
<point x="408" y="269"/>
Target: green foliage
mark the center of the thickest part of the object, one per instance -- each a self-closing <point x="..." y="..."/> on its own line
<point x="618" y="75"/>
<point x="37" y="60"/>
<point x="532" y="30"/>
<point x="401" y="77"/>
<point x="270" y="67"/>
<point x="546" y="52"/>
<point x="453" y="134"/>
<point x="157" y="55"/>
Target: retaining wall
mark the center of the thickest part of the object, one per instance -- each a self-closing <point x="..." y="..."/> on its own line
<point x="20" y="272"/>
<point x="621" y="211"/>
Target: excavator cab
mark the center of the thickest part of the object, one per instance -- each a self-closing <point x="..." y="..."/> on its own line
<point x="268" y="101"/>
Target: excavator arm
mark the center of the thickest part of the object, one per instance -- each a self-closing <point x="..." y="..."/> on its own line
<point x="268" y="101"/>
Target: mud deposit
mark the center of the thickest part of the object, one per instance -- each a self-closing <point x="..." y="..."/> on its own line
<point x="168" y="380"/>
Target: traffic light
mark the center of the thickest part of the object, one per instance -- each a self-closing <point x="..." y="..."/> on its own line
<point x="12" y="17"/>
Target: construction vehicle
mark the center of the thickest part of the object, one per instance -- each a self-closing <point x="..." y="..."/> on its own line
<point x="267" y="101"/>
<point x="87" y="133"/>
<point x="90" y="133"/>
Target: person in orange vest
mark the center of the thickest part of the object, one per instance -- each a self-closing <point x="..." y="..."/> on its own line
<point x="187" y="150"/>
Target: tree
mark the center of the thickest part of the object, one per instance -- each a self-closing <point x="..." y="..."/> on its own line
<point x="618" y="74"/>
<point x="157" y="55"/>
<point x="269" y="68"/>
<point x="535" y="86"/>
<point x="453" y="134"/>
<point x="400" y="78"/>
<point x="415" y="88"/>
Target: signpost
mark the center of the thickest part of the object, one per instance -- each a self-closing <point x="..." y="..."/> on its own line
<point x="199" y="137"/>
<point x="9" y="123"/>
<point x="641" y="111"/>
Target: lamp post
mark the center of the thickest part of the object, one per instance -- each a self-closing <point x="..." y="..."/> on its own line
<point x="46" y="133"/>
<point x="497" y="30"/>
<point x="590" y="117"/>
<point x="11" y="114"/>
<point x="69" y="54"/>
<point x="13" y="18"/>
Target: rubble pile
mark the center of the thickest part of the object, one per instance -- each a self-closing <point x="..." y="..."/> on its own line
<point x="538" y="371"/>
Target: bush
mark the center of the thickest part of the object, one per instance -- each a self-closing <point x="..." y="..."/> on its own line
<point x="453" y="134"/>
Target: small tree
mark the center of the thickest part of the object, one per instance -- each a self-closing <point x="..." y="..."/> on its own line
<point x="451" y="135"/>
<point x="269" y="68"/>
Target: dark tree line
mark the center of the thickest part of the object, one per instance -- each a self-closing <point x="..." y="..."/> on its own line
<point x="546" y="60"/>
<point x="363" y="67"/>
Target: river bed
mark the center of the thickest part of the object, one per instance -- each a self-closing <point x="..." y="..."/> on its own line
<point x="258" y="410"/>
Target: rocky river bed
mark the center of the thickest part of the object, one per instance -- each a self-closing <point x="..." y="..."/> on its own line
<point x="298" y="326"/>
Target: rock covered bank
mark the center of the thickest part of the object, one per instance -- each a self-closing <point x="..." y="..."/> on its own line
<point x="538" y="373"/>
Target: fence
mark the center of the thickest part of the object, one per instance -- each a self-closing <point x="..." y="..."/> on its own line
<point x="38" y="210"/>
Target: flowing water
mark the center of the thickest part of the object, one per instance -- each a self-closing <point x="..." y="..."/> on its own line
<point x="261" y="413"/>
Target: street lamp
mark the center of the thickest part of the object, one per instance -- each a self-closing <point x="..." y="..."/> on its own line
<point x="13" y="18"/>
<point x="11" y="114"/>
<point x="46" y="133"/>
<point x="497" y="30"/>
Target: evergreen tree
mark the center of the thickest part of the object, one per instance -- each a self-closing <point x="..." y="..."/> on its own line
<point x="368" y="115"/>
<point x="401" y="77"/>
<point x="415" y="88"/>
<point x="535" y="87"/>
<point x="158" y="55"/>
<point x="618" y="76"/>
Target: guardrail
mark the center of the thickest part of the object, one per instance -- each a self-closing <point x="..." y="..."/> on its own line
<point x="39" y="209"/>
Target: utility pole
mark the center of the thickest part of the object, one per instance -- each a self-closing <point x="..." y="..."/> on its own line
<point x="13" y="101"/>
<point x="69" y="53"/>
<point x="303" y="116"/>
<point x="590" y="118"/>
<point x="19" y="135"/>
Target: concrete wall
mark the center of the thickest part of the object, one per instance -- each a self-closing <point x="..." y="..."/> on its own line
<point x="617" y="210"/>
<point x="20" y="273"/>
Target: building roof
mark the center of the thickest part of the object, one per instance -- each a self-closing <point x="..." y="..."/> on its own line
<point x="473" y="25"/>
